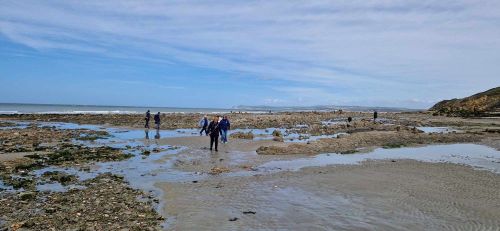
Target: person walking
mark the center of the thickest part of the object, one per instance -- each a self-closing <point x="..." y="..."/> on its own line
<point x="147" y="118"/>
<point x="220" y="119"/>
<point x="213" y="131"/>
<point x="157" y="121"/>
<point x="375" y="115"/>
<point x="204" y="124"/>
<point x="224" y="126"/>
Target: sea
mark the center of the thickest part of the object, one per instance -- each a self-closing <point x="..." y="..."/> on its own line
<point x="17" y="108"/>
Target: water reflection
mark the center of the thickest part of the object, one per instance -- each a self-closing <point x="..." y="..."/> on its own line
<point x="157" y="136"/>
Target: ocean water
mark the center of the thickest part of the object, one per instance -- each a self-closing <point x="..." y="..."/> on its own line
<point x="13" y="108"/>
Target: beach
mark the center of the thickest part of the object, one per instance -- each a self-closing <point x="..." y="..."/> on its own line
<point x="249" y="115"/>
<point x="286" y="171"/>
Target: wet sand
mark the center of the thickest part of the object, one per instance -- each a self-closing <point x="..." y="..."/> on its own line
<point x="377" y="195"/>
<point x="238" y="154"/>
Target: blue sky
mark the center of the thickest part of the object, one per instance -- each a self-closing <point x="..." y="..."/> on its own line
<point x="227" y="53"/>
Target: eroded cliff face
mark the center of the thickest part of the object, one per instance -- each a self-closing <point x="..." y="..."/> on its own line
<point x="482" y="104"/>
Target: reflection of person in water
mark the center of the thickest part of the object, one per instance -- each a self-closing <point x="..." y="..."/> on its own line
<point x="157" y="120"/>
<point x="147" y="134"/>
<point x="157" y="136"/>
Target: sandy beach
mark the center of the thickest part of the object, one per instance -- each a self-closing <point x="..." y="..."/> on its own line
<point x="379" y="195"/>
<point x="408" y="171"/>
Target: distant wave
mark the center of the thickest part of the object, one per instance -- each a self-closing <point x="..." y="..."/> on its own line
<point x="116" y="112"/>
<point x="88" y="112"/>
<point x="9" y="112"/>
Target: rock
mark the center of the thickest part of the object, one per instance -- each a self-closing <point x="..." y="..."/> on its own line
<point x="242" y="135"/>
<point x="219" y="170"/>
<point x="278" y="139"/>
<point x="277" y="133"/>
<point x="27" y="195"/>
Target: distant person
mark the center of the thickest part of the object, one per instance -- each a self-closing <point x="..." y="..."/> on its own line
<point x="349" y="119"/>
<point x="157" y="121"/>
<point x="375" y="115"/>
<point x="147" y="118"/>
<point x="204" y="124"/>
<point x="224" y="125"/>
<point x="213" y="131"/>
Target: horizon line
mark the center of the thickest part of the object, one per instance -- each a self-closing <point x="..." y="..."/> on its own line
<point x="233" y="107"/>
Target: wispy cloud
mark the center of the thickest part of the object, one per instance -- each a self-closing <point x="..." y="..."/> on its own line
<point x="415" y="49"/>
<point x="144" y="83"/>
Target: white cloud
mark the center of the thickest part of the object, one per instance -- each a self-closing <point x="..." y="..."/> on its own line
<point x="411" y="49"/>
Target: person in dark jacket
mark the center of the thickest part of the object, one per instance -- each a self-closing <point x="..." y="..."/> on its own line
<point x="375" y="115"/>
<point x="213" y="131"/>
<point x="157" y="121"/>
<point x="224" y="126"/>
<point x="204" y="124"/>
<point x="147" y="118"/>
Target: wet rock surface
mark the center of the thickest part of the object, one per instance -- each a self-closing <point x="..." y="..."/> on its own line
<point x="36" y="199"/>
<point x="238" y="120"/>
<point x="42" y="138"/>
<point x="7" y="124"/>
<point x="348" y="144"/>
<point x="107" y="203"/>
<point x="60" y="177"/>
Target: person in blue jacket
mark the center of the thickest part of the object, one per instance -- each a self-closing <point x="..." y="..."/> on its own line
<point x="224" y="126"/>
<point x="204" y="125"/>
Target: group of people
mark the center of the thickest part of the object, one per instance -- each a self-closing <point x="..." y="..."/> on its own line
<point x="156" y="118"/>
<point x="219" y="125"/>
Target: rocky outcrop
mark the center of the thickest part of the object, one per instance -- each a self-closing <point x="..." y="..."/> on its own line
<point x="482" y="104"/>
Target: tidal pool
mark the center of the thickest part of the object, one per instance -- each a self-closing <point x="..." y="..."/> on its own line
<point x="478" y="156"/>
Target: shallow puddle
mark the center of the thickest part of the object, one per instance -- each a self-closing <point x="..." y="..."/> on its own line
<point x="478" y="156"/>
<point x="288" y="134"/>
<point x="437" y="129"/>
